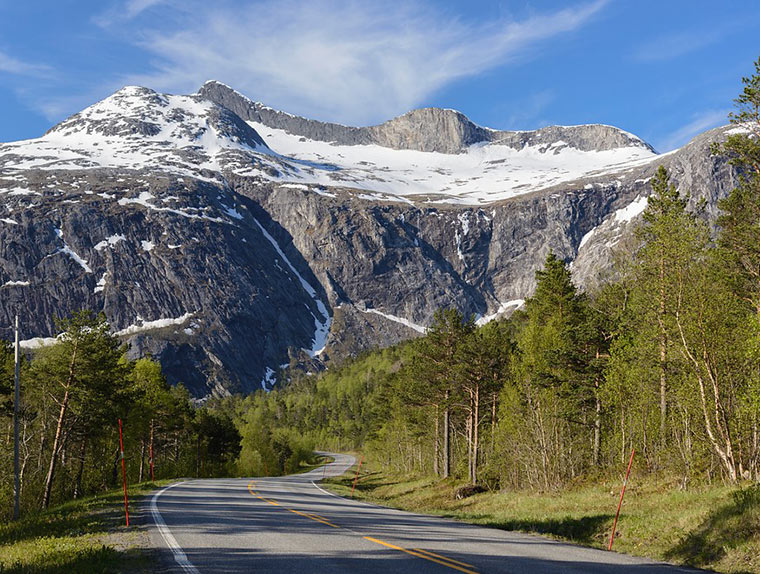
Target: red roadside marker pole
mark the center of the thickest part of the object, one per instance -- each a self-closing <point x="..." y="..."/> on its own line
<point x="357" y="475"/>
<point x="123" y="472"/>
<point x="622" y="493"/>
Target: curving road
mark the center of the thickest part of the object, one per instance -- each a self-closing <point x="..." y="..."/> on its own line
<point x="290" y="525"/>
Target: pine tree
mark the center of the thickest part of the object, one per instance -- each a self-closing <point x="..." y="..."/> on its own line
<point x="666" y="233"/>
<point x="81" y="375"/>
<point x="483" y="359"/>
<point x="433" y="377"/>
<point x="551" y="369"/>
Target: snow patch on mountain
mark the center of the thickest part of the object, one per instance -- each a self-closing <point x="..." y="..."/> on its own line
<point x="71" y="253"/>
<point x="143" y="326"/>
<point x="396" y="319"/>
<point x="636" y="207"/>
<point x="110" y="241"/>
<point x="321" y="326"/>
<point x="101" y="284"/>
<point x="484" y="173"/>
<point x="269" y="379"/>
<point x="503" y="308"/>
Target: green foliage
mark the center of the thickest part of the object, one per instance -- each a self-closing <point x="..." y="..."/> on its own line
<point x="73" y="395"/>
<point x="86" y="535"/>
<point x="7" y="374"/>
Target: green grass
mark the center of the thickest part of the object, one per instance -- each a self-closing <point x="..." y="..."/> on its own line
<point x="87" y="535"/>
<point x="714" y="527"/>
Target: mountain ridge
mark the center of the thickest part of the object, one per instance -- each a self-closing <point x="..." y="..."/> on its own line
<point x="228" y="248"/>
<point x="455" y="123"/>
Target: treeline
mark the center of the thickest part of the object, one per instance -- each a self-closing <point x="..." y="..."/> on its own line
<point x="74" y="393"/>
<point x="664" y="358"/>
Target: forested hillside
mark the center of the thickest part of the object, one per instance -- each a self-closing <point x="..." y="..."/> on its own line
<point x="73" y="395"/>
<point x="663" y="357"/>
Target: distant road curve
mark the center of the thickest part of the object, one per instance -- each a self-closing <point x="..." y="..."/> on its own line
<point x="290" y="525"/>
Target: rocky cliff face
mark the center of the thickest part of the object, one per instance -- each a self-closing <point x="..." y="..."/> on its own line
<point x="229" y="239"/>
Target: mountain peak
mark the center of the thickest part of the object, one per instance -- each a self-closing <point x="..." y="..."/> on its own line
<point x="136" y="127"/>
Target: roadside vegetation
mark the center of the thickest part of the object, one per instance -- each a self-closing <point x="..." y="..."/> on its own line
<point x="713" y="526"/>
<point x="73" y="395"/>
<point x="80" y="536"/>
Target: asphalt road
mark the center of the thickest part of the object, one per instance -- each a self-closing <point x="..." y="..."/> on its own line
<point x="290" y="525"/>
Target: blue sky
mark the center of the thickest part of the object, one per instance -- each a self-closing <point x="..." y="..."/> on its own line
<point x="665" y="70"/>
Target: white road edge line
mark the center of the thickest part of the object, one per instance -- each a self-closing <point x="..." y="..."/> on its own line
<point x="327" y="491"/>
<point x="179" y="556"/>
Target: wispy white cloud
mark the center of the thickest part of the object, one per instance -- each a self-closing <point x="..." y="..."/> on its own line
<point x="675" y="45"/>
<point x="343" y="60"/>
<point x="700" y="122"/>
<point x="136" y="7"/>
<point x="530" y="111"/>
<point x="11" y="65"/>
<point x="122" y="12"/>
<point x="680" y="43"/>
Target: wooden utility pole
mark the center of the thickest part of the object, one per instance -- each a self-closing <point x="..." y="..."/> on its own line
<point x="16" y="408"/>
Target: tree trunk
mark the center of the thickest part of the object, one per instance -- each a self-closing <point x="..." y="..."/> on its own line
<point x="475" y="437"/>
<point x="470" y="434"/>
<point x="724" y="451"/>
<point x="59" y="429"/>
<point x="80" y="470"/>
<point x="663" y="344"/>
<point x="54" y="454"/>
<point x="198" y="456"/>
<point x="493" y="425"/>
<point x="142" y="460"/>
<point x="152" y="435"/>
<point x="597" y="423"/>
<point x="446" y="437"/>
<point x="437" y="446"/>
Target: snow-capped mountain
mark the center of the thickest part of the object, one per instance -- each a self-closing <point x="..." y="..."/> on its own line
<point x="229" y="238"/>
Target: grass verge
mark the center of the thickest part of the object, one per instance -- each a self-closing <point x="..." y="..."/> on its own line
<point x="87" y="535"/>
<point x="714" y="527"/>
<point x="317" y="462"/>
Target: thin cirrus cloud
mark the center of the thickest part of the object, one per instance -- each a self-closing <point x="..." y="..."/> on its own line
<point x="676" y="44"/>
<point x="700" y="122"/>
<point x="341" y="60"/>
<point x="11" y="65"/>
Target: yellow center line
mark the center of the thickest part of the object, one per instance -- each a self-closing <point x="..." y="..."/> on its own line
<point x="429" y="553"/>
<point x="418" y="552"/>
<point x="314" y="517"/>
<point x="419" y="555"/>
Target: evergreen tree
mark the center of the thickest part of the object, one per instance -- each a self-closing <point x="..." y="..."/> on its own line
<point x="82" y="377"/>
<point x="484" y="359"/>
<point x="673" y="238"/>
<point x="433" y="377"/>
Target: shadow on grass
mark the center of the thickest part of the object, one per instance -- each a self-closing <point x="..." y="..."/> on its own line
<point x="731" y="526"/>
<point x="76" y="517"/>
<point x="583" y="530"/>
<point x="102" y="559"/>
<point x="89" y="515"/>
